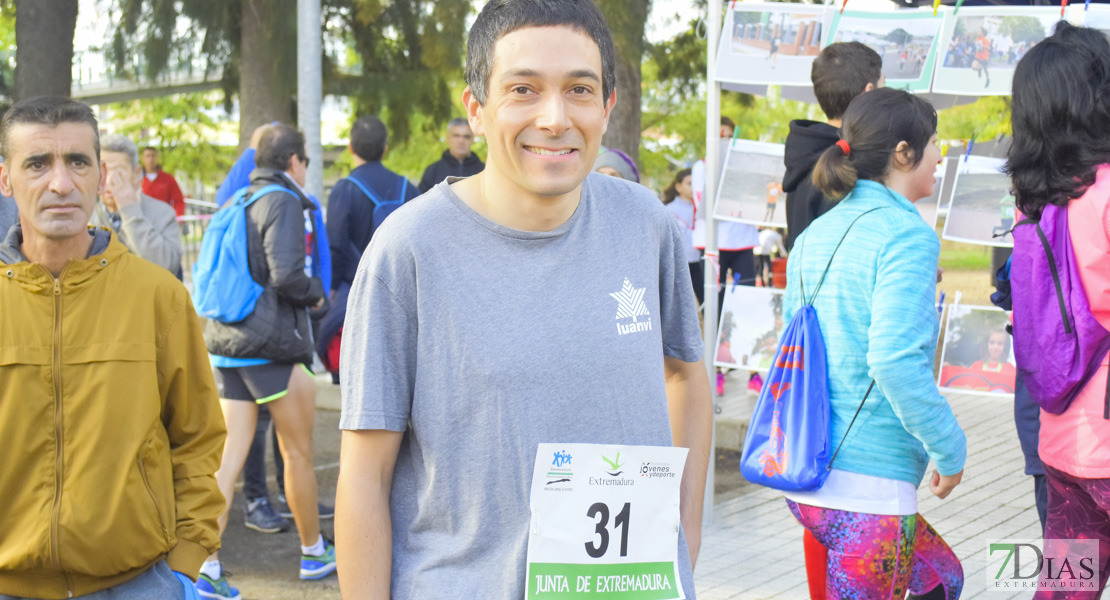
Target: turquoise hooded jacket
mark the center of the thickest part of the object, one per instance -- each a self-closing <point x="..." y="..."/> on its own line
<point x="879" y="321"/>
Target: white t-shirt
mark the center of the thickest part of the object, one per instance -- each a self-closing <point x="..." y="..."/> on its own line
<point x="856" y="492"/>
<point x="683" y="211"/>
<point x="770" y="242"/>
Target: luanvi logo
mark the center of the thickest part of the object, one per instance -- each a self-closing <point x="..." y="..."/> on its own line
<point x="1057" y="565"/>
<point x="630" y="305"/>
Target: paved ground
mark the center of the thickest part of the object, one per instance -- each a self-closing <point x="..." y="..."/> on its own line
<point x="753" y="549"/>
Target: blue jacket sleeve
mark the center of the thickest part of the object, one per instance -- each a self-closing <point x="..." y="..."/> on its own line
<point x="902" y="342"/>
<point x="237" y="178"/>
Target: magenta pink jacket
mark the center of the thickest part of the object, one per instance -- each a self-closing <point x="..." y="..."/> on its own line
<point x="1078" y="441"/>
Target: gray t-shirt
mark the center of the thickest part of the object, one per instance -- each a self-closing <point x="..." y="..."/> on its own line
<point x="480" y="342"/>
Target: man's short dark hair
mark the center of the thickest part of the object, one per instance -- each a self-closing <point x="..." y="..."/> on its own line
<point x="502" y="17"/>
<point x="840" y="73"/>
<point x="369" y="138"/>
<point x="47" y="110"/>
<point x="458" y="122"/>
<point x="280" y="143"/>
<point x="727" y="122"/>
<point x="151" y="148"/>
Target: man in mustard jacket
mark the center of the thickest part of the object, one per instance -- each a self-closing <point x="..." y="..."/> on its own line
<point x="110" y="429"/>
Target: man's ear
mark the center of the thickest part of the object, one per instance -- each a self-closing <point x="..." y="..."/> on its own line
<point x="867" y="88"/>
<point x="103" y="185"/>
<point x="5" y="180"/>
<point x="609" y="104"/>
<point x="473" y="112"/>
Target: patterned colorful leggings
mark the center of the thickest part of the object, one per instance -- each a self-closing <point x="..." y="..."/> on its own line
<point x="879" y="557"/>
<point x="1078" y="509"/>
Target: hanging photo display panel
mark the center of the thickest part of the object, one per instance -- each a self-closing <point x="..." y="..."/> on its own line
<point x="770" y="43"/>
<point x="982" y="206"/>
<point x="1098" y="17"/>
<point x="907" y="41"/>
<point x="928" y="207"/>
<point x="751" y="323"/>
<point x="750" y="190"/>
<point x="978" y="353"/>
<point x="982" y="46"/>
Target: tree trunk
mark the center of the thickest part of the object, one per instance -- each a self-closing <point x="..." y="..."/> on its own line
<point x="44" y="47"/>
<point x="626" y="20"/>
<point x="268" y="66"/>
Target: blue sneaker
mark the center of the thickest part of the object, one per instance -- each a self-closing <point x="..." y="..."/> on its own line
<point x="219" y="589"/>
<point x="319" y="567"/>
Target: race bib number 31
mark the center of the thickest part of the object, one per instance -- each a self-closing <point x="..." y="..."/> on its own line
<point x="605" y="522"/>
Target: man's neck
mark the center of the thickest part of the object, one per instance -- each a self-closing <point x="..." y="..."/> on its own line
<point x="504" y="203"/>
<point x="457" y="157"/>
<point x="53" y="255"/>
<point x="357" y="160"/>
<point x="835" y="123"/>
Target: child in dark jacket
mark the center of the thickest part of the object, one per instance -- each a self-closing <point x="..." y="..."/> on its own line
<point x="840" y="73"/>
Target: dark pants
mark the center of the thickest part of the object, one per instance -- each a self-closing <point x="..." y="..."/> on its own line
<point x="742" y="265"/>
<point x="697" y="277"/>
<point x="254" y="470"/>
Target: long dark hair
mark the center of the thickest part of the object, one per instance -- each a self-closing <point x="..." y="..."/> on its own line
<point x="671" y="193"/>
<point x="1060" y="118"/>
<point x="873" y="125"/>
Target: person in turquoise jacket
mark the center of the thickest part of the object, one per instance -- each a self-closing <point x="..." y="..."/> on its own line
<point x="879" y="323"/>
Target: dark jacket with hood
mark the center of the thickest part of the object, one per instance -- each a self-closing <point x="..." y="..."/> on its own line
<point x="806" y="142"/>
<point x="449" y="166"/>
<point x="279" y="328"/>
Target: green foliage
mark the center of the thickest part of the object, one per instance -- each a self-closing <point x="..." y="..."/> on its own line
<point x="899" y="36"/>
<point x="181" y="126"/>
<point x="986" y="118"/>
<point x="7" y="50"/>
<point x="1022" y="29"/>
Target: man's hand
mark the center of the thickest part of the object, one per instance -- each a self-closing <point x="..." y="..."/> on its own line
<point x="121" y="190"/>
<point x="942" y="485"/>
<point x="320" y="304"/>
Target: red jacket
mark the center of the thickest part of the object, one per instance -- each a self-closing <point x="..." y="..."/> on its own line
<point x="165" y="188"/>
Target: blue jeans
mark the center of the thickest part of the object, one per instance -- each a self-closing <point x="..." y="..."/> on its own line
<point x="157" y="582"/>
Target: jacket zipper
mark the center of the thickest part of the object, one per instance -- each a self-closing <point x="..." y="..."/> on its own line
<point x="150" y="492"/>
<point x="59" y="463"/>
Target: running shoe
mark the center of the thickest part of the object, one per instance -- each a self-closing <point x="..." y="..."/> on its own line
<point x="326" y="512"/>
<point x="319" y="567"/>
<point x="219" y="589"/>
<point x="720" y="383"/>
<point x="755" y="384"/>
<point x="260" y="515"/>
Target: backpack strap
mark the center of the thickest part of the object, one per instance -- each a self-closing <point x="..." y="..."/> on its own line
<point x="269" y="189"/>
<point x="359" y="185"/>
<point x="828" y="467"/>
<point x="801" y="279"/>
<point x="404" y="188"/>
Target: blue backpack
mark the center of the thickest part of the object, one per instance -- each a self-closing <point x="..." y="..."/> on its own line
<point x="223" y="289"/>
<point x="382" y="209"/>
<point x="787" y="445"/>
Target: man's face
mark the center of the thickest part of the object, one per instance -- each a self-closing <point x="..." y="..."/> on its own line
<point x="53" y="174"/>
<point x="298" y="169"/>
<point x="118" y="161"/>
<point x="544" y="114"/>
<point x="150" y="160"/>
<point x="459" y="140"/>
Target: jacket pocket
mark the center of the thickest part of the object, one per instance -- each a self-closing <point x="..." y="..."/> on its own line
<point x="160" y="508"/>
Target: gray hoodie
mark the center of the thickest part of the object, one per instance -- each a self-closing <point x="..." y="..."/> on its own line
<point x="9" y="215"/>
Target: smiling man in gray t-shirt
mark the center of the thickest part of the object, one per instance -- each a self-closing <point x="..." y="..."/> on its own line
<point x="481" y="324"/>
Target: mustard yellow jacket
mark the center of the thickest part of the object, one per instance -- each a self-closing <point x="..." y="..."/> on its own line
<point x="110" y="426"/>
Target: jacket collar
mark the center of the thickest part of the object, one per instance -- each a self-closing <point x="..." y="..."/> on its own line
<point x="262" y="177"/>
<point x="105" y="250"/>
<point x="873" y="193"/>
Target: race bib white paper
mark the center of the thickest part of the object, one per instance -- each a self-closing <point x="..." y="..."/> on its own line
<point x="605" y="522"/>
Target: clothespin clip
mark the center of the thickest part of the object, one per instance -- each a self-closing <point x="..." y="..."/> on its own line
<point x="970" y="144"/>
<point x="732" y="5"/>
<point x="959" y="3"/>
<point x="936" y="5"/>
<point x="1063" y="7"/>
<point x="944" y="148"/>
<point x="842" y="6"/>
<point x="1087" y="6"/>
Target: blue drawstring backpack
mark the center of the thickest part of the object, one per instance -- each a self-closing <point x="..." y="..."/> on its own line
<point x="787" y="445"/>
<point x="223" y="289"/>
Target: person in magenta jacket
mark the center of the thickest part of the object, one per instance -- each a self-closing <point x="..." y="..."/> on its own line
<point x="1060" y="109"/>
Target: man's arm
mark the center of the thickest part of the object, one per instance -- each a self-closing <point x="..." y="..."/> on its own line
<point x="363" y="529"/>
<point x="157" y="239"/>
<point x="177" y="198"/>
<point x="691" y="414"/>
<point x="195" y="429"/>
